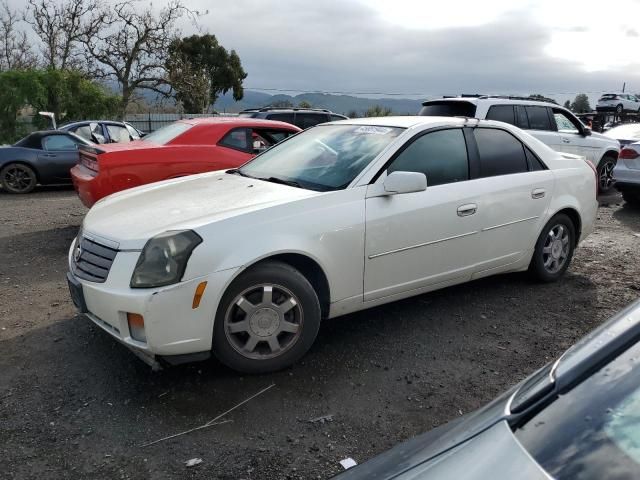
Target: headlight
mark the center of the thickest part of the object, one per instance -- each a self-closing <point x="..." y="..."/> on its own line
<point x="164" y="259"/>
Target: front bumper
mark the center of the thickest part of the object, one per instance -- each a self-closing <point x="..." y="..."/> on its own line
<point x="172" y="326"/>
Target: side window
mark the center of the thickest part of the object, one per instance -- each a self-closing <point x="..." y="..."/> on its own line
<point x="306" y="120"/>
<point x="58" y="142"/>
<point x="238" y="139"/>
<point x="564" y="123"/>
<point x="534" y="164"/>
<point x="538" y="118"/>
<point x="522" y="120"/>
<point x="118" y="134"/>
<point x="501" y="113"/>
<point x="500" y="153"/>
<point x="132" y="132"/>
<point x="84" y="131"/>
<point x="440" y="155"/>
<point x="335" y="118"/>
<point x="281" y="117"/>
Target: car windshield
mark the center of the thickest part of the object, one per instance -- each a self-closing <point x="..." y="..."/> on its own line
<point x="164" y="135"/>
<point x="592" y="431"/>
<point x="326" y="157"/>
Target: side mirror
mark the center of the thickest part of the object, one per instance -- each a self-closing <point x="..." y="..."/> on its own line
<point x="586" y="131"/>
<point x="405" y="182"/>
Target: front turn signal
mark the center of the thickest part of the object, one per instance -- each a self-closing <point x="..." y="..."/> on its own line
<point x="197" y="297"/>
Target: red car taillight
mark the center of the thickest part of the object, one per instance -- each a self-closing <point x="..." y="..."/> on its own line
<point x="628" y="153"/>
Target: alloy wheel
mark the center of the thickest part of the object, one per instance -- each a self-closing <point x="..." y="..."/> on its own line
<point x="606" y="175"/>
<point x="263" y="321"/>
<point x="556" y="248"/>
<point x="18" y="178"/>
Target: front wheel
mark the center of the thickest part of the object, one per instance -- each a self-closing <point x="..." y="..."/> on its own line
<point x="605" y="173"/>
<point x="554" y="249"/>
<point x="18" y="178"/>
<point x="267" y="320"/>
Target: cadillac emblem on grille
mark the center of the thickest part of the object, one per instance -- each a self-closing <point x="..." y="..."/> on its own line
<point x="78" y="251"/>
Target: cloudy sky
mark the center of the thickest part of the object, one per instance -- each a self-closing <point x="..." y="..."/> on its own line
<point x="432" y="47"/>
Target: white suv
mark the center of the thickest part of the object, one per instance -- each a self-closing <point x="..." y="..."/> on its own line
<point x="618" y="103"/>
<point x="552" y="124"/>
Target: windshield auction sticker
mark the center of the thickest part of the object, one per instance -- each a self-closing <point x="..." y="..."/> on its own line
<point x="372" y="130"/>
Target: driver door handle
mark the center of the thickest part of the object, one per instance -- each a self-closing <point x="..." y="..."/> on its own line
<point x="466" y="210"/>
<point x="537" y="193"/>
<point x="565" y="140"/>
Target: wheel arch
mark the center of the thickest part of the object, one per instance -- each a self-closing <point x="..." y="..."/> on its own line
<point x="609" y="153"/>
<point x="309" y="268"/>
<point x="25" y="163"/>
<point x="575" y="218"/>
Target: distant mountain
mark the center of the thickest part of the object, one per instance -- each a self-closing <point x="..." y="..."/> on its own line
<point x="336" y="103"/>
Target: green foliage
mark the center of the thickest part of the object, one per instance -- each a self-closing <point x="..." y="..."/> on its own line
<point x="69" y="94"/>
<point x="199" y="70"/>
<point x="281" y="104"/>
<point x="304" y="104"/>
<point x="378" y="111"/>
<point x="581" y="104"/>
<point x="567" y="105"/>
<point x="541" y="98"/>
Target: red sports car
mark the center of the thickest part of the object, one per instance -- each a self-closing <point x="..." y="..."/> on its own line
<point x="182" y="148"/>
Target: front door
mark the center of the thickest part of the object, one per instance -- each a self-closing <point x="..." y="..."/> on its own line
<point x="420" y="239"/>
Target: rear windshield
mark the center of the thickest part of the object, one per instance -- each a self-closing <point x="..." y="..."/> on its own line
<point x="608" y="96"/>
<point x="448" y="109"/>
<point x="164" y="135"/>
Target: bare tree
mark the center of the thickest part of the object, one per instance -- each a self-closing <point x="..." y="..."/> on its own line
<point x="132" y="49"/>
<point x="61" y="26"/>
<point x="15" y="49"/>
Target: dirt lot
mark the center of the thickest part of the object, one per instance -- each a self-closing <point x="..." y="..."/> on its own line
<point x="75" y="404"/>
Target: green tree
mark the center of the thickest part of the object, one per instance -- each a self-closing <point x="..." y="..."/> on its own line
<point x="281" y="104"/>
<point x="567" y="105"/>
<point x="378" y="111"/>
<point x="18" y="88"/>
<point x="353" y="114"/>
<point x="581" y="104"/>
<point x="304" y="104"/>
<point x="199" y="70"/>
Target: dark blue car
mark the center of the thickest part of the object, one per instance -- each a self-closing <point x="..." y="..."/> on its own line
<point x="43" y="158"/>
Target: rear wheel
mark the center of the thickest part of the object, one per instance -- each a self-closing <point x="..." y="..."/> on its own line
<point x="18" y="178"/>
<point x="605" y="173"/>
<point x="554" y="249"/>
<point x="267" y="320"/>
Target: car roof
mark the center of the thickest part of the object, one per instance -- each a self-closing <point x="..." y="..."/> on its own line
<point x="402" y="121"/>
<point x="492" y="101"/>
<point x="237" y="122"/>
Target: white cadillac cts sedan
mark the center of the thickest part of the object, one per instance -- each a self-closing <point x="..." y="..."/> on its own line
<point x="347" y="215"/>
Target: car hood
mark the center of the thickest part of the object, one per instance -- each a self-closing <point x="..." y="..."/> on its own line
<point x="133" y="216"/>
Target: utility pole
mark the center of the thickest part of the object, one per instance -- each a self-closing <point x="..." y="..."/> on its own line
<point x="624" y="84"/>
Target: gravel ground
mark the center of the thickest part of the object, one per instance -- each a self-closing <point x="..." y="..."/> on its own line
<point x="75" y="404"/>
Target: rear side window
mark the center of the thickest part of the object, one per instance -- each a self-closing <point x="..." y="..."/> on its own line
<point x="446" y="108"/>
<point x="501" y="113"/>
<point x="118" y="134"/>
<point x="538" y="118"/>
<point x="522" y="120"/>
<point x="534" y="163"/>
<point x="306" y="120"/>
<point x="440" y="155"/>
<point x="500" y="152"/>
<point x="238" y="139"/>
<point x="281" y="117"/>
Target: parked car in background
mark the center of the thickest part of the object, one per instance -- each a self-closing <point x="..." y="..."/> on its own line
<point x="552" y="124"/>
<point x="104" y="131"/>
<point x="575" y="418"/>
<point x="44" y="158"/>
<point x="618" y="103"/>
<point x="625" y="133"/>
<point x="341" y="217"/>
<point x="627" y="173"/>
<point x="179" y="149"/>
<point x="300" y="117"/>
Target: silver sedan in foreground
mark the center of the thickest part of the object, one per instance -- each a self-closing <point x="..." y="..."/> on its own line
<point x="576" y="418"/>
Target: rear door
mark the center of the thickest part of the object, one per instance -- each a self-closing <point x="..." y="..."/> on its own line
<point x="513" y="189"/>
<point x="59" y="154"/>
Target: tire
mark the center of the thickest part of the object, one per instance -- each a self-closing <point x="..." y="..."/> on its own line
<point x="605" y="173"/>
<point x="619" y="109"/>
<point x="633" y="199"/>
<point x="550" y="260"/>
<point x="18" y="178"/>
<point x="276" y="325"/>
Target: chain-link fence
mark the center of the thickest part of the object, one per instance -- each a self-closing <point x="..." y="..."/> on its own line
<point x="149" y="122"/>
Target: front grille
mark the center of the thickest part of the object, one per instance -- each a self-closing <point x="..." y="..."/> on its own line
<point x="92" y="261"/>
